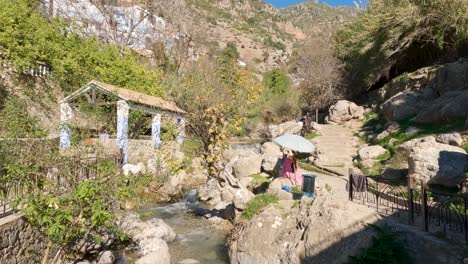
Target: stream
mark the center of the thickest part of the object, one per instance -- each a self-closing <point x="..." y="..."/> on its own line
<point x="196" y="237"/>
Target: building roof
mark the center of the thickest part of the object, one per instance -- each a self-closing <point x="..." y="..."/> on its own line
<point x="129" y="95"/>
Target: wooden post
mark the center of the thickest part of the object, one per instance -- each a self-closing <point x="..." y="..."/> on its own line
<point x="316" y="115"/>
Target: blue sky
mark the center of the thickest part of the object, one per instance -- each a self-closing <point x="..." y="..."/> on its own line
<point x="283" y="3"/>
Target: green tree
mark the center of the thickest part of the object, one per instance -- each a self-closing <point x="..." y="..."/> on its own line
<point x="276" y="82"/>
<point x="26" y="36"/>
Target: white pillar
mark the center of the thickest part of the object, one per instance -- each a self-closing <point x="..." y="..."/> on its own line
<point x="122" y="129"/>
<point x="156" y="130"/>
<point x="181" y="129"/>
<point x="65" y="131"/>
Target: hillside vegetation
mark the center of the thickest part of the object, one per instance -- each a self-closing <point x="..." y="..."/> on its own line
<point x="396" y="36"/>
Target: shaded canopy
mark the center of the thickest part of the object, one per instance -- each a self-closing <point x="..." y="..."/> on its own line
<point x="148" y="102"/>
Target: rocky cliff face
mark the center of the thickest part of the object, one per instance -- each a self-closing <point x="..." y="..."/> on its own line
<point x="326" y="230"/>
<point x="264" y="35"/>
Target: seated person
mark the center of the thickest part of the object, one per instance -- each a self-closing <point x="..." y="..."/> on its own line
<point x="290" y="168"/>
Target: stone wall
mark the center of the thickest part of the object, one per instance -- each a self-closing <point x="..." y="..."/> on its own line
<point x="19" y="242"/>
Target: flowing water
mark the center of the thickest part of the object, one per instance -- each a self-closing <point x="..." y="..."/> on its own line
<point x="196" y="237"/>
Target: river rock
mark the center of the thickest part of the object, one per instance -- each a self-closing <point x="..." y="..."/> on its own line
<point x="371" y="152"/>
<point x="453" y="139"/>
<point x="162" y="257"/>
<point x="343" y="111"/>
<point x="241" y="197"/>
<point x="446" y="109"/>
<point x="210" y="191"/>
<point x="438" y="163"/>
<point x="150" y="236"/>
<point x="129" y="169"/>
<point x="106" y="257"/>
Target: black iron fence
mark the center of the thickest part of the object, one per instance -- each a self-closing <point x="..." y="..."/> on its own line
<point x="438" y="212"/>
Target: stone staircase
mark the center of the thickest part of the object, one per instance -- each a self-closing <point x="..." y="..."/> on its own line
<point x="337" y="146"/>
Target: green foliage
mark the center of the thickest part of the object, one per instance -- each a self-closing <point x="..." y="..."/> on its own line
<point x="17" y="123"/>
<point x="276" y="82"/>
<point x="465" y="147"/>
<point x="258" y="203"/>
<point x="274" y="44"/>
<point x="26" y="37"/>
<point x="85" y="210"/>
<point x="259" y="178"/>
<point x="312" y="135"/>
<point x="385" y="249"/>
<point x="401" y="35"/>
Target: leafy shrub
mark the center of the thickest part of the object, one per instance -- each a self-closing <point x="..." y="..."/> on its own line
<point x="258" y="203"/>
<point x="396" y="36"/>
<point x="17" y="123"/>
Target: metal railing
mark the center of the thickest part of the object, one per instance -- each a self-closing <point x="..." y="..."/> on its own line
<point x="442" y="213"/>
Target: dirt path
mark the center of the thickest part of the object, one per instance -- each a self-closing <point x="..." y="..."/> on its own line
<point x="337" y="146"/>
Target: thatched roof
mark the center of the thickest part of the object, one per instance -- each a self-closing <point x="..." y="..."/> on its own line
<point x="128" y="95"/>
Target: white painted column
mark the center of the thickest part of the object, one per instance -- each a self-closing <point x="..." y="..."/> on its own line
<point x="66" y="115"/>
<point x="156" y="130"/>
<point x="122" y="129"/>
<point x="181" y="129"/>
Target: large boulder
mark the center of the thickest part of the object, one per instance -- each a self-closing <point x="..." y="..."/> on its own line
<point x="407" y="104"/>
<point x="279" y="235"/>
<point x="247" y="166"/>
<point x="371" y="152"/>
<point x="287" y="128"/>
<point x="241" y="197"/>
<point x="437" y="163"/>
<point x="451" y="77"/>
<point x="343" y="111"/>
<point x="448" y="108"/>
<point x="151" y="237"/>
<point x="271" y="158"/>
<point x="209" y="192"/>
<point x="405" y="149"/>
<point x="453" y="139"/>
